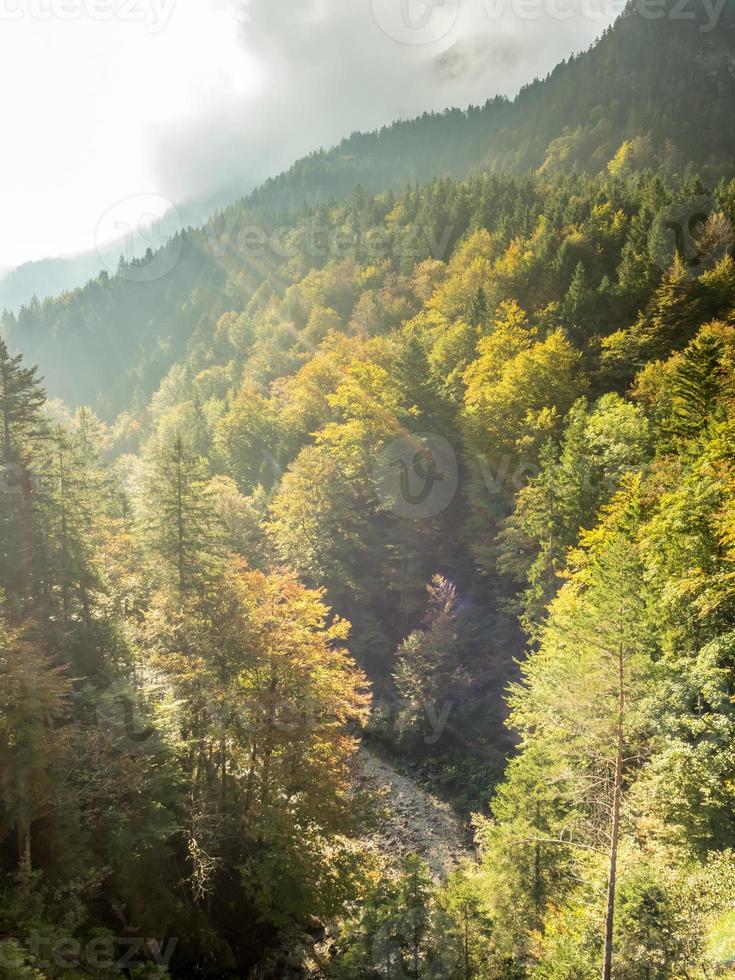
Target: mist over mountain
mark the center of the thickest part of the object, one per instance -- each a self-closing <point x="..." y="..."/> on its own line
<point x="49" y="277"/>
<point x="651" y="93"/>
<point x="226" y="93"/>
<point x="663" y="84"/>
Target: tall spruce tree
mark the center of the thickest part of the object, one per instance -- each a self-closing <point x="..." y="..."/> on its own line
<point x="579" y="710"/>
<point x="178" y="520"/>
<point x="21" y="400"/>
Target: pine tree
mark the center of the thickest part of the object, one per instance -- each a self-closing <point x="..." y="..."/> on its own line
<point x="177" y="518"/>
<point x="34" y="694"/>
<point x="394" y="936"/>
<point x="580" y="706"/>
<point x="21" y="399"/>
<point x="697" y="385"/>
<point x="72" y="500"/>
<point x="577" y="300"/>
<point x="478" y="312"/>
<point x="428" y="672"/>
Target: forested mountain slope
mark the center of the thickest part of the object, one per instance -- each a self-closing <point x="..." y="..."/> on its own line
<point x="326" y="520"/>
<point x="662" y="80"/>
<point x="653" y="92"/>
<point x="449" y="471"/>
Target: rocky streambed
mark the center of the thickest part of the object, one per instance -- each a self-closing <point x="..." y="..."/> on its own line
<point x="412" y="821"/>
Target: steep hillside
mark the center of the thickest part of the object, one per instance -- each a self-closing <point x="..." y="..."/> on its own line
<point x="651" y="93"/>
<point x="662" y="81"/>
<point x="322" y="522"/>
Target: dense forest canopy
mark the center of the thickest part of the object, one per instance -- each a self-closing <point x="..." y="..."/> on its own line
<point x="446" y="473"/>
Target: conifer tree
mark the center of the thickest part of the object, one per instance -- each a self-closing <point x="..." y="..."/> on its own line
<point x="697" y="384"/>
<point x="178" y="521"/>
<point x="21" y="399"/>
<point x="72" y="506"/>
<point x="428" y="672"/>
<point x="580" y="705"/>
<point x="34" y="694"/>
<point x="577" y="301"/>
<point x="477" y="312"/>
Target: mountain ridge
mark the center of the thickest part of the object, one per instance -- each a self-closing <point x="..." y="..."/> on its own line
<point x="586" y="116"/>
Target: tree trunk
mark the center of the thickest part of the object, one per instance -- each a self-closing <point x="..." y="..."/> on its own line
<point x="467" y="973"/>
<point x="537" y="885"/>
<point x="64" y="537"/>
<point x="179" y="520"/>
<point x="24" y="846"/>
<point x="6" y="412"/>
<point x="615" y="828"/>
<point x="268" y="743"/>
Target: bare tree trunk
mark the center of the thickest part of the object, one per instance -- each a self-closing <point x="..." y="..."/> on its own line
<point x="179" y="519"/>
<point x="4" y="372"/>
<point x="268" y="742"/>
<point x="223" y="771"/>
<point x="467" y="971"/>
<point x="24" y="845"/>
<point x="250" y="781"/>
<point x="64" y="536"/>
<point x="615" y="828"/>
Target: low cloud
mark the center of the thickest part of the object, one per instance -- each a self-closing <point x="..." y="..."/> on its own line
<point x="329" y="67"/>
<point x="198" y="102"/>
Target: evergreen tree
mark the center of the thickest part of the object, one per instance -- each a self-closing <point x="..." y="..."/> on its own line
<point x="577" y="302"/>
<point x="21" y="398"/>
<point x="698" y="385"/>
<point x="34" y="696"/>
<point x="581" y="707"/>
<point x="428" y="672"/>
<point x="477" y="312"/>
<point x="177" y="518"/>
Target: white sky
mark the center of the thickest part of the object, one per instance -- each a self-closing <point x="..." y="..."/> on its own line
<point x="106" y="100"/>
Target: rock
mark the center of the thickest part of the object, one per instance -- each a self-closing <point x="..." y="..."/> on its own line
<point x="415" y="821"/>
<point x="314" y="926"/>
<point x="297" y="958"/>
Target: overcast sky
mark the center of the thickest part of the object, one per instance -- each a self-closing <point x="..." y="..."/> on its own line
<point x="108" y="103"/>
